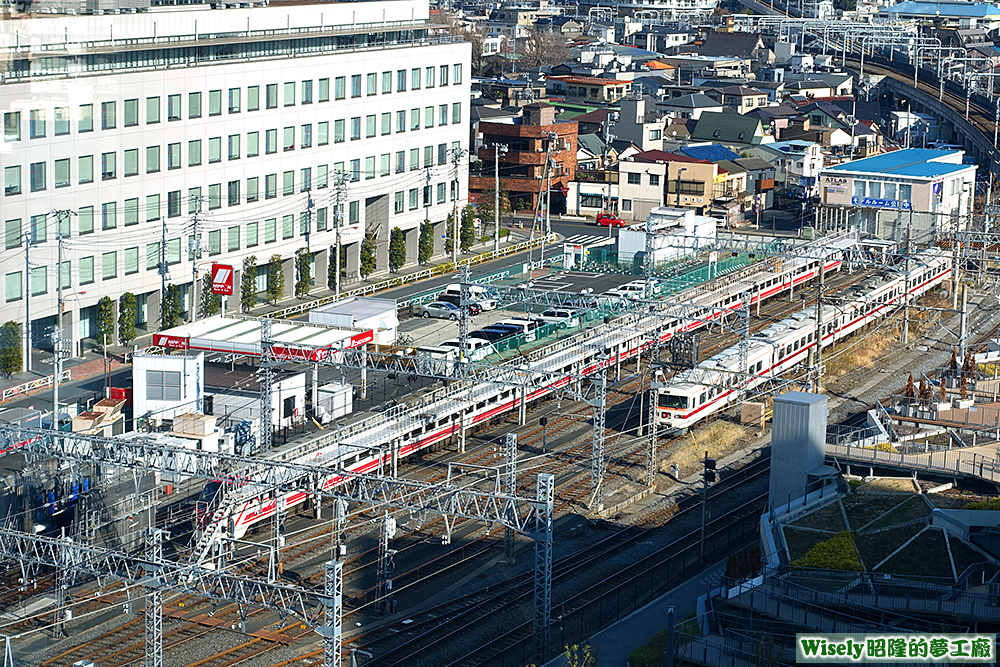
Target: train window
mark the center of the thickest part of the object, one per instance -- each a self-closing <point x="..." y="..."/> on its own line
<point x="673" y="402"/>
<point x="760" y="365"/>
<point x="701" y="399"/>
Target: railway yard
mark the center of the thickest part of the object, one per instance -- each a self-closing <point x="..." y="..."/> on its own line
<point x="423" y="588"/>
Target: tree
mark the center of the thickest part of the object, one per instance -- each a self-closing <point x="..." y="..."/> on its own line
<point x="449" y="233"/>
<point x="10" y="349"/>
<point x="924" y="393"/>
<point x="397" y="249"/>
<point x="969" y="364"/>
<point x="331" y="269"/>
<point x="942" y="392"/>
<point x="105" y="321"/>
<point x="467" y="232"/>
<point x="542" y="48"/>
<point x="910" y="390"/>
<point x="248" y="284"/>
<point x="425" y="243"/>
<point x="275" y="279"/>
<point x="126" y="318"/>
<point x="303" y="264"/>
<point x="581" y="655"/>
<point x="367" y="261"/>
<point x="210" y="303"/>
<point x="953" y="364"/>
<point x="170" y="307"/>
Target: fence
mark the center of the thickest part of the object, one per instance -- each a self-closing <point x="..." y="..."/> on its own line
<point x="576" y="619"/>
<point x="978" y="466"/>
<point x="406" y="279"/>
<point x="40" y="383"/>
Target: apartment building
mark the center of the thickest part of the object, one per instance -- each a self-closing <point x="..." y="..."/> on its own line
<point x="157" y="143"/>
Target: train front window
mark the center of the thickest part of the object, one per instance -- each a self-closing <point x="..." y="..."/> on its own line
<point x="209" y="492"/>
<point x="673" y="402"/>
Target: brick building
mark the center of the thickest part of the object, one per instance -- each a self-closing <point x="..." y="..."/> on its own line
<point x="522" y="168"/>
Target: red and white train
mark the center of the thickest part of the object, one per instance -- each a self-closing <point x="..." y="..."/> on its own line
<point x="423" y="421"/>
<point x="717" y="382"/>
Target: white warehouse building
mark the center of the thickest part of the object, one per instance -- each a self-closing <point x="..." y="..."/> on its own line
<point x="186" y="136"/>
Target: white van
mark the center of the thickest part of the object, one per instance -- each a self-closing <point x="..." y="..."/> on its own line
<point x="527" y="327"/>
<point x="438" y="359"/>
<point x="476" y="349"/>
<point x="484" y="296"/>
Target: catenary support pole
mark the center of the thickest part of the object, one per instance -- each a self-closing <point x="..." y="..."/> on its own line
<point x="510" y="487"/>
<point x="544" y="492"/>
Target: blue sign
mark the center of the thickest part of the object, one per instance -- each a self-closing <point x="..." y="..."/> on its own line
<point x="880" y="203"/>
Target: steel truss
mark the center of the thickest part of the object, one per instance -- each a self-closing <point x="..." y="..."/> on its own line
<point x="542" y="534"/>
<point x="510" y="487"/>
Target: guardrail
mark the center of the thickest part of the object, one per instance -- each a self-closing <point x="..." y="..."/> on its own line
<point x="399" y="281"/>
<point x="40" y="383"/>
<point x="152" y="349"/>
<point x="979" y="466"/>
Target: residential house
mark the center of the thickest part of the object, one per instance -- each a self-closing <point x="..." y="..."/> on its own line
<point x="521" y="15"/>
<point x="841" y="83"/>
<point x="933" y="187"/>
<point x="659" y="38"/>
<point x="485" y="109"/>
<point x="838" y="137"/>
<point x="739" y="99"/>
<point x="492" y="44"/>
<point x="694" y="67"/>
<point x="797" y="165"/>
<point x="656" y="85"/>
<point x="594" y="121"/>
<point x="710" y="152"/>
<point x="689" y="106"/>
<point x="523" y="166"/>
<point x="588" y="88"/>
<point x="741" y="44"/>
<point x="945" y="13"/>
<point x="729" y="128"/>
<point x="809" y="89"/>
<point x="563" y="25"/>
<point x="760" y="181"/>
<point x="775" y="119"/>
<point x="640" y="122"/>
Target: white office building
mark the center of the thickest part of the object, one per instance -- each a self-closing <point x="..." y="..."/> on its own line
<point x="181" y="136"/>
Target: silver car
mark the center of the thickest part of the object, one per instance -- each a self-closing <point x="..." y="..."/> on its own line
<point x="439" y="309"/>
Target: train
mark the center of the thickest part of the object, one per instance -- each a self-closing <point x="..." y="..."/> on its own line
<point x="429" y="418"/>
<point x="719" y="381"/>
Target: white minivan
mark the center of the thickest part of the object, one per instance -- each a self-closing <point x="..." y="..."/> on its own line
<point x="561" y="317"/>
<point x="484" y="296"/>
<point x="476" y="349"/>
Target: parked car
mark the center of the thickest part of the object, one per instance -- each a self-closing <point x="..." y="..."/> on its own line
<point x="608" y="220"/>
<point x="473" y="306"/>
<point x="506" y="330"/>
<point x="439" y="309"/>
<point x="476" y="349"/>
<point x="524" y="327"/>
<point x="628" y="290"/>
<point x="486" y="297"/>
<point x="561" y="317"/>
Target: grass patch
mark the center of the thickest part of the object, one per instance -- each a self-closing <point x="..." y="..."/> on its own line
<point x="949" y="501"/>
<point x="908" y="510"/>
<point x="926" y="556"/>
<point x="888" y="485"/>
<point x="836" y="553"/>
<point x="652" y="653"/>
<point x="720" y="438"/>
<point x="964" y="555"/>
<point x="987" y="504"/>
<point x="801" y="541"/>
<point x="826" y="518"/>
<point x="857" y="352"/>
<point x="861" y="509"/>
<point x="855" y="483"/>
<point x="876" y="546"/>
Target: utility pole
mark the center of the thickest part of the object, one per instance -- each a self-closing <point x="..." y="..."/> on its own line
<point x="608" y="138"/>
<point x="547" y="184"/>
<point x="195" y="256"/>
<point x="57" y="338"/>
<point x="456" y="155"/>
<point x="27" y="300"/>
<point x="340" y="180"/>
<point x="818" y="356"/>
<point x="707" y="476"/>
<point x="498" y="150"/>
<point x="163" y="266"/>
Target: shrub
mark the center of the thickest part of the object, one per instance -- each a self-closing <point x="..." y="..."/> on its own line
<point x="10" y="349"/>
<point x="397" y="249"/>
<point x="988" y="504"/>
<point x="248" y="284"/>
<point x="126" y="318"/>
<point x="836" y="553"/>
<point x="170" y="307"/>
<point x="275" y="279"/>
<point x="367" y="265"/>
<point x="105" y="321"/>
<point x="210" y="303"/>
<point x="425" y="243"/>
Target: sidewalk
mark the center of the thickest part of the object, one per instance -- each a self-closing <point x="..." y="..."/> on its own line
<point x="91" y="364"/>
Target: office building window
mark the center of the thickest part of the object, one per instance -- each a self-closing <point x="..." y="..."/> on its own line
<point x="36" y="123"/>
<point x="60" y="119"/>
<point x="370" y="126"/>
<point x="288" y="183"/>
<point x="174" y="155"/>
<point x="384" y="164"/>
<point x="414" y="119"/>
<point x="12" y="126"/>
<point x="386" y="83"/>
<point x="399" y="202"/>
<point x="234" y="100"/>
<point x="234" y="147"/>
<point x="214" y="196"/>
<point x="322" y="176"/>
<point x="323" y="90"/>
<point x="12" y="233"/>
<point x="12" y="180"/>
<point x="173" y="107"/>
<point x="214" y="149"/>
<point x="456" y="112"/>
<point x="400" y="81"/>
<point x="152" y="159"/>
<point x="414" y="159"/>
<point x="340" y="87"/>
<point x="271" y="95"/>
<point x="194" y="152"/>
<point x="355" y="171"/>
<point x="305" y="224"/>
<point x="386" y="123"/>
<point x="414" y="196"/>
<point x="287" y="226"/>
<point x="441" y="193"/>
<point x="457" y="73"/>
<point x="252" y="189"/>
<point x="323" y="133"/>
<point x="354" y="213"/>
<point x="12" y="286"/>
<point x="86" y="121"/>
<point x="443" y="75"/>
<point x="253" y="98"/>
<point x="131" y="211"/>
<point x="62" y="173"/>
<point x="86" y="169"/>
<point x="270" y="186"/>
<point x="288" y="139"/>
<point x="271" y="141"/>
<point x="253" y="144"/>
<point x="415" y="78"/>
<point x="109" y="265"/>
<point x="428" y="156"/>
<point x="289" y="93"/>
<point x="215" y="242"/>
<point x="37" y="176"/>
<point x="194" y="201"/>
<point x="152" y="208"/>
<point x="38" y="224"/>
<point x="443" y="114"/>
<point x="370" y="167"/>
<point x="85" y="215"/>
<point x="173" y="203"/>
<point x="252" y="234"/>
<point x="215" y="103"/>
<point x="233" y="240"/>
<point x="39" y="282"/>
<point x="130" y="260"/>
<point x="194" y="105"/>
<point x="306" y="136"/>
<point x="400" y="162"/>
<point x="355" y="128"/>
<point x="321" y="219"/>
<point x="130" y="162"/>
<point x="307" y="92"/>
<point x="371" y="81"/>
<point x="86" y="268"/>
<point x="152" y="110"/>
<point x="356" y="85"/>
<point x="108" y="120"/>
<point x="305" y="179"/>
<point x="338" y="131"/>
<point x="429" y="77"/>
<point x="233" y="193"/>
<point x="400" y="121"/>
<point x="270" y="230"/>
<point x="428" y="116"/>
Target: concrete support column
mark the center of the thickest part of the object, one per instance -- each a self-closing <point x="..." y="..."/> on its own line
<point x="323" y="262"/>
<point x="440" y="231"/>
<point x="352" y="263"/>
<point x="288" y="268"/>
<point x="412" y="244"/>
